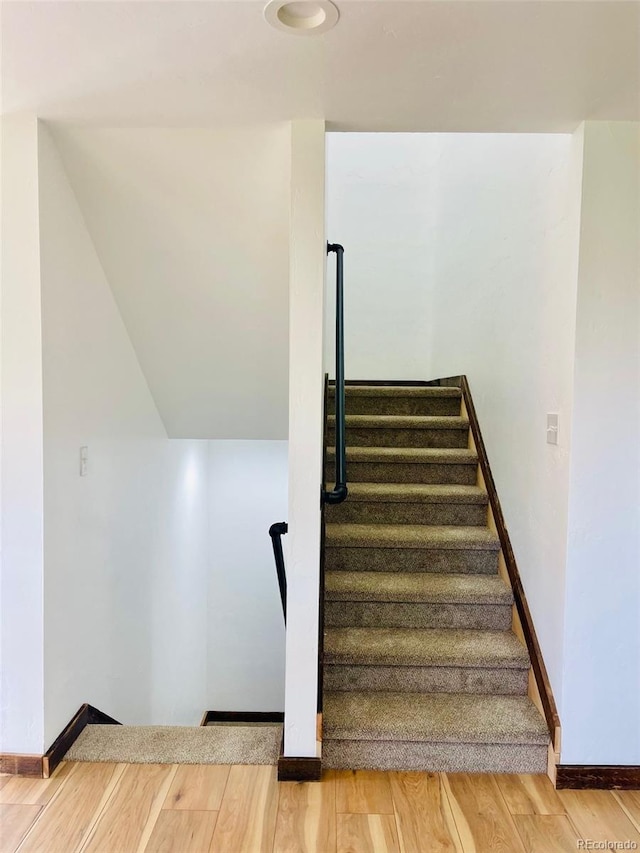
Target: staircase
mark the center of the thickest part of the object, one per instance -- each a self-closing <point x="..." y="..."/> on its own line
<point x="421" y="668"/>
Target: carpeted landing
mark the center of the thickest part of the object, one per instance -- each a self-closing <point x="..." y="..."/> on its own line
<point x="211" y="744"/>
<point x="421" y="668"/>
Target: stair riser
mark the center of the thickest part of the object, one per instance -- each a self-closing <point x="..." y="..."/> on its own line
<point x="426" y="679"/>
<point x="410" y="560"/>
<point x="376" y="512"/>
<point x="372" y="437"/>
<point x="392" y="614"/>
<point x="435" y="406"/>
<point x="407" y="472"/>
<point x="433" y="757"/>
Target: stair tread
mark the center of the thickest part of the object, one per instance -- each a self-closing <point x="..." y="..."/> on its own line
<point x="416" y="493"/>
<point x="399" y="390"/>
<point x="423" y="536"/>
<point x="437" y="717"/>
<point x="403" y="421"/>
<point x="422" y="587"/>
<point x="438" y="455"/>
<point x="452" y="647"/>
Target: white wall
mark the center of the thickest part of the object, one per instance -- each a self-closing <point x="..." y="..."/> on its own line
<point x="503" y="312"/>
<point x="461" y="252"/>
<point x="601" y="702"/>
<point x="191" y="226"/>
<point x="21" y="643"/>
<point x="248" y="493"/>
<point x="306" y="303"/>
<point x="125" y="547"/>
<point x="379" y="206"/>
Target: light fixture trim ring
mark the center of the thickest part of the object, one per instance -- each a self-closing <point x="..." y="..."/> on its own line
<point x="287" y="16"/>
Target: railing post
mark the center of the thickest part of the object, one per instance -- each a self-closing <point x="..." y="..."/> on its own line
<point x="339" y="493"/>
<point x="276" y="532"/>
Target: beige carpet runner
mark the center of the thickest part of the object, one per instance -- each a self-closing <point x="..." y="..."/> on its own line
<point x="217" y="744"/>
<point x="421" y="668"/>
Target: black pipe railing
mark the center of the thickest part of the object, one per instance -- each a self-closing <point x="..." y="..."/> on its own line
<point x="339" y="492"/>
<point x="276" y="532"/>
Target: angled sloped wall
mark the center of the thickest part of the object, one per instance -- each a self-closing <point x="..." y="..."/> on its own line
<point x="125" y="546"/>
<point x="191" y="226"/>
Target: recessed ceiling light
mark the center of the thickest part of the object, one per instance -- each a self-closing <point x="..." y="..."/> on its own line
<point x="302" y="17"/>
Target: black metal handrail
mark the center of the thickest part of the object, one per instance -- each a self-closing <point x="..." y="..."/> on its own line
<point x="276" y="532"/>
<point x="340" y="491"/>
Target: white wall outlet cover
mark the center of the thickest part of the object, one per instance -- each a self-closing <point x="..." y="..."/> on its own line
<point x="302" y="17"/>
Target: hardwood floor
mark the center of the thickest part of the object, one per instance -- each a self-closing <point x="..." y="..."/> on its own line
<point x="138" y="808"/>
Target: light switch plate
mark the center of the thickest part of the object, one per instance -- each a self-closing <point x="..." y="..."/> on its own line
<point x="552" y="428"/>
<point x="84" y="460"/>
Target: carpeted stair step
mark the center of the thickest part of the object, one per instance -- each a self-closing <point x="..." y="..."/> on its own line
<point x="402" y="431"/>
<point x="411" y="503"/>
<point x="416" y="600"/>
<point x="425" y="660"/>
<point x="438" y="733"/>
<point x="398" y="400"/>
<point x="410" y="548"/>
<point x="407" y="465"/>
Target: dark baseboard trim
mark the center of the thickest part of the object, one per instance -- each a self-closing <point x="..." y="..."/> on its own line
<point x="299" y="769"/>
<point x="21" y="765"/>
<point x="99" y="718"/>
<point x="537" y="663"/>
<point x="242" y="717"/>
<point x="42" y="766"/>
<point x="608" y="776"/>
<point x="86" y="715"/>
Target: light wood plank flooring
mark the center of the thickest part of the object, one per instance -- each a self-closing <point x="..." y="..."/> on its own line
<point x="118" y="808"/>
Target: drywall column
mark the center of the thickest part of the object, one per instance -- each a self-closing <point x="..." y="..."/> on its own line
<point x="306" y="296"/>
<point x="601" y="693"/>
<point x="21" y="645"/>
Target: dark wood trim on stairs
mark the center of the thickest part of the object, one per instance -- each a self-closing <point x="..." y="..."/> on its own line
<point x="242" y="717"/>
<point x="299" y="769"/>
<point x="99" y="718"/>
<point x="607" y="776"/>
<point x="450" y="381"/>
<point x="42" y="766"/>
<point x="540" y="672"/>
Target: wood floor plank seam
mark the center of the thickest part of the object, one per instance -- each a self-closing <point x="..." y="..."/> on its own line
<point x="457" y="815"/>
<point x="422" y="810"/>
<point x="108" y="793"/>
<point x="548" y="829"/>
<point x="504" y="780"/>
<point x="179" y="830"/>
<point x="104" y="800"/>
<point x="156" y="808"/>
<point x="16" y="821"/>
<point x="597" y="815"/>
<point x="197" y="787"/>
<point x="622" y="798"/>
<point x="53" y="836"/>
<point x="503" y="816"/>
<point x="108" y="798"/>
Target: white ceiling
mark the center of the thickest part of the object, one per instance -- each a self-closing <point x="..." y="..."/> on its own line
<point x="457" y="65"/>
<point x="192" y="231"/>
